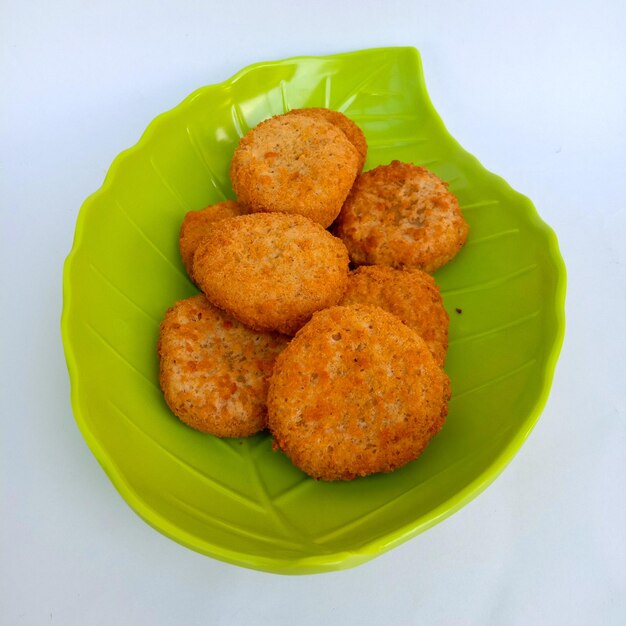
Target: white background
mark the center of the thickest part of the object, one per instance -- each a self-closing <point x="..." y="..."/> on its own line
<point x="536" y="90"/>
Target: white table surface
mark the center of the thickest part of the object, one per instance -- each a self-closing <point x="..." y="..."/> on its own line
<point x="536" y="90"/>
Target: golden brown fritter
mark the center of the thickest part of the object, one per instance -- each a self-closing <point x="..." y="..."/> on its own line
<point x="411" y="295"/>
<point x="197" y="224"/>
<point x="295" y="164"/>
<point x="349" y="128"/>
<point x="272" y="271"/>
<point x="404" y="216"/>
<point x="213" y="370"/>
<point x="354" y="393"/>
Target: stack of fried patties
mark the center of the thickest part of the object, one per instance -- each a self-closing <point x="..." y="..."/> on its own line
<point x="344" y="367"/>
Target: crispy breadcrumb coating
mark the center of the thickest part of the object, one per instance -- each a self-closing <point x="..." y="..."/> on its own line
<point x="295" y="164"/>
<point x="272" y="271"/>
<point x="214" y="371"/>
<point x="354" y="393"/>
<point x="197" y="224"/>
<point x="404" y="216"/>
<point x="411" y="295"/>
<point x="349" y="128"/>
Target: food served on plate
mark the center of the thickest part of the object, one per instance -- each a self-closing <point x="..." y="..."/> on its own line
<point x="214" y="371"/>
<point x="402" y="215"/>
<point x="411" y="295"/>
<point x="197" y="224"/>
<point x="344" y="123"/>
<point x="355" y="392"/>
<point x="271" y="271"/>
<point x="298" y="164"/>
<point x="361" y="388"/>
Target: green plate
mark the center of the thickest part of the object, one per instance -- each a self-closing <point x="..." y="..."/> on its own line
<point x="236" y="500"/>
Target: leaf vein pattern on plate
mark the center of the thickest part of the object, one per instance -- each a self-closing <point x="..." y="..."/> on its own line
<point x="224" y="443"/>
<point x="493" y="381"/>
<point x="398" y="142"/>
<point x="494" y="282"/>
<point x="151" y="243"/>
<point x="429" y="163"/>
<point x="279" y="518"/>
<point x="345" y="528"/>
<point x="207" y="518"/>
<point x="303" y="483"/>
<point x="477" y="205"/>
<point x="175" y="194"/>
<point x="256" y="446"/>
<point x="215" y="181"/>
<point x="327" y="86"/>
<point x="239" y="121"/>
<point x="96" y="270"/>
<point x="496" y="329"/>
<point x="283" y="94"/>
<point x="503" y="233"/>
<point x="358" y="88"/>
<point x="215" y="484"/>
<point x="115" y="351"/>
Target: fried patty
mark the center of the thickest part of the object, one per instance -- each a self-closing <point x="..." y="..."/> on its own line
<point x="411" y="295"/>
<point x="295" y="164"/>
<point x="354" y="393"/>
<point x="271" y="271"/>
<point x="344" y="123"/>
<point x="196" y="224"/>
<point x="214" y="371"/>
<point x="404" y="216"/>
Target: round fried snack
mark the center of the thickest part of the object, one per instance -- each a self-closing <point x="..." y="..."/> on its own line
<point x="354" y="393"/>
<point x="295" y="164"/>
<point x="349" y="128"/>
<point x="214" y="371"/>
<point x="197" y="224"/>
<point x="271" y="271"/>
<point x="404" y="216"/>
<point x="411" y="295"/>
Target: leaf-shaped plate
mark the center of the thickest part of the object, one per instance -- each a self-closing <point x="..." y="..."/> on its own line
<point x="236" y="500"/>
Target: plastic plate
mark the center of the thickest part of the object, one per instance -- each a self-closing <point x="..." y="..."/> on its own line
<point x="236" y="500"/>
